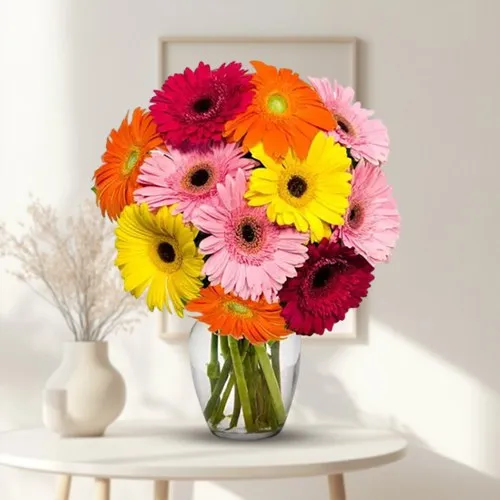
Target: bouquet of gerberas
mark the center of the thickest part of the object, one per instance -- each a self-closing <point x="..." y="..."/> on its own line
<point x="256" y="201"/>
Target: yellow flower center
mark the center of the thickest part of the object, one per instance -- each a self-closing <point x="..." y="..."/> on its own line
<point x="165" y="255"/>
<point x="296" y="186"/>
<point x="277" y="104"/>
<point x="238" y="309"/>
<point x="131" y="161"/>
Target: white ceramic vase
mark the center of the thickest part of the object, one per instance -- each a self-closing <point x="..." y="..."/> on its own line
<point x="85" y="394"/>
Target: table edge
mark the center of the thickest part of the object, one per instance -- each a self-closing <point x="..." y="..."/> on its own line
<point x="204" y="473"/>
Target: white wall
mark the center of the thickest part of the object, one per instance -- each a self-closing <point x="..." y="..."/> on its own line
<point x="69" y="70"/>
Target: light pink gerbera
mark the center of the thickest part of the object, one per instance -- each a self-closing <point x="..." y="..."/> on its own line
<point x="364" y="137"/>
<point x="188" y="179"/>
<point x="372" y="220"/>
<point x="249" y="255"/>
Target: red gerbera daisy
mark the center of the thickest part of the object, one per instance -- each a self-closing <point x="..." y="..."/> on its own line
<point x="192" y="108"/>
<point x="333" y="280"/>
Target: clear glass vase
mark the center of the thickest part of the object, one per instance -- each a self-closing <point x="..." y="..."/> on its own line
<point x="245" y="391"/>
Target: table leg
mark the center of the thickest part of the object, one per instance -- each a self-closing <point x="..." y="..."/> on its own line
<point x="161" y="490"/>
<point x="102" y="488"/>
<point x="63" y="487"/>
<point x="336" y="487"/>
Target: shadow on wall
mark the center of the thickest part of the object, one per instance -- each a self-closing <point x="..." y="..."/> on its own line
<point x="320" y="395"/>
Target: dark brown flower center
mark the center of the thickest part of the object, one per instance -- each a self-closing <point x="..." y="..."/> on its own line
<point x="200" y="177"/>
<point x="344" y="125"/>
<point x="248" y="233"/>
<point x="353" y="213"/>
<point x="203" y="105"/>
<point x="297" y="186"/>
<point x="355" y="216"/>
<point x="322" y="276"/>
<point x="166" y="252"/>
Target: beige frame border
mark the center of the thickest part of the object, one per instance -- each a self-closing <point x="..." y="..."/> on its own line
<point x="176" y="337"/>
<point x="352" y="41"/>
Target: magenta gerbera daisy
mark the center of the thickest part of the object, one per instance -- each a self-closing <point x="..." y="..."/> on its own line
<point x="363" y="136"/>
<point x="190" y="179"/>
<point x="192" y="108"/>
<point x="333" y="280"/>
<point x="249" y="255"/>
<point x="372" y="220"/>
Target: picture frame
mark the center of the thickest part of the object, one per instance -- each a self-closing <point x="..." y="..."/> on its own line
<point x="322" y="56"/>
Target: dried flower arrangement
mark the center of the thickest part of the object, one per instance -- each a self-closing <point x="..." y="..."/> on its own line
<point x="69" y="263"/>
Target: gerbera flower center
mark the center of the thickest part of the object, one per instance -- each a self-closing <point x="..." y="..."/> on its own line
<point x="203" y="105"/>
<point x="238" y="308"/>
<point x="131" y="161"/>
<point x="344" y="125"/>
<point x="355" y="216"/>
<point x="166" y="252"/>
<point x="322" y="275"/>
<point x="200" y="177"/>
<point x="277" y="104"/>
<point x="249" y="234"/>
<point x="297" y="186"/>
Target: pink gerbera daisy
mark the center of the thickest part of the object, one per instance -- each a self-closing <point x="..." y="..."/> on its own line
<point x="192" y="108"/>
<point x="372" y="220"/>
<point x="249" y="255"/>
<point x="188" y="179"/>
<point x="333" y="280"/>
<point x="362" y="136"/>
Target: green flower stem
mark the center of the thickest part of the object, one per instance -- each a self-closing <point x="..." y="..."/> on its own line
<point x="250" y="380"/>
<point x="260" y="401"/>
<point x="271" y="420"/>
<point x="213" y="368"/>
<point x="236" y="409"/>
<point x="275" y="359"/>
<point x="224" y="348"/>
<point x="218" y="416"/>
<point x="272" y="383"/>
<point x="241" y="383"/>
<point x="217" y="390"/>
<point x="215" y="407"/>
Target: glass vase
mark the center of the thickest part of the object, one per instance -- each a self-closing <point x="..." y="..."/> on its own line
<point x="245" y="391"/>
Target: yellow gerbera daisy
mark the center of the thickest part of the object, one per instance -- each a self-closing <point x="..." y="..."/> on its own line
<point x="158" y="250"/>
<point x="311" y="194"/>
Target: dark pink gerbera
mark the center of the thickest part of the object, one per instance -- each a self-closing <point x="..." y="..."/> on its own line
<point x="333" y="280"/>
<point x="192" y="107"/>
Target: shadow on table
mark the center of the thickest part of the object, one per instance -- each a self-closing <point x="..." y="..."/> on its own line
<point x="422" y="475"/>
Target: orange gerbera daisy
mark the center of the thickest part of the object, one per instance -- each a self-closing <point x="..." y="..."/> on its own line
<point x="285" y="113"/>
<point x="126" y="150"/>
<point x="228" y="314"/>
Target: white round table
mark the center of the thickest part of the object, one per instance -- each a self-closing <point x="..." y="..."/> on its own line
<point x="162" y="452"/>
